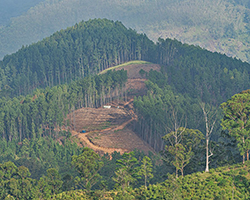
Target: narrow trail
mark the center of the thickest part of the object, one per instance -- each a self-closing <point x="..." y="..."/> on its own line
<point x="122" y="126"/>
<point x="84" y="136"/>
<point x="89" y="144"/>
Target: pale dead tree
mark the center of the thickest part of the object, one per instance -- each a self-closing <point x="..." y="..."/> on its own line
<point x="175" y="127"/>
<point x="175" y="131"/>
<point x="210" y="117"/>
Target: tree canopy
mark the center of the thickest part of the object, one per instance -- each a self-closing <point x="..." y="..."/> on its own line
<point x="237" y="122"/>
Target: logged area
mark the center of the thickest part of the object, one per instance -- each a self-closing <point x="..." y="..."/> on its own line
<point x="135" y="84"/>
<point x="110" y="129"/>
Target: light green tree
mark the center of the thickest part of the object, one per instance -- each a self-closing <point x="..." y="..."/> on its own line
<point x="146" y="170"/>
<point x="181" y="150"/>
<point x="51" y="184"/>
<point x="88" y="165"/>
<point x="237" y="120"/>
<point x="127" y="171"/>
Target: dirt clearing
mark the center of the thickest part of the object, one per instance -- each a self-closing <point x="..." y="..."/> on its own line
<point x="111" y="129"/>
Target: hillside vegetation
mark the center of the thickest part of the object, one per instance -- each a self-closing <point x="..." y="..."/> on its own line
<point x="229" y="182"/>
<point x="185" y="86"/>
<point x="221" y="26"/>
<point x="189" y="74"/>
<point x="92" y="46"/>
<point x="84" y="49"/>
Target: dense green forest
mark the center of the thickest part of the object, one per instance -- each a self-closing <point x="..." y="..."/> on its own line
<point x="92" y="46"/>
<point x="85" y="49"/>
<point x="193" y="74"/>
<point x="190" y="75"/>
<point x="228" y="182"/>
<point x="44" y="82"/>
<point x="221" y="26"/>
<point x="44" y="112"/>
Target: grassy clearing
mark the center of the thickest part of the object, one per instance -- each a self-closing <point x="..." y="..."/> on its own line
<point x="133" y="62"/>
<point x="98" y="127"/>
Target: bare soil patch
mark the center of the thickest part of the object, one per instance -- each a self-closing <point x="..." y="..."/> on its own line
<point x="133" y="70"/>
<point x="110" y="129"/>
<point x="135" y="84"/>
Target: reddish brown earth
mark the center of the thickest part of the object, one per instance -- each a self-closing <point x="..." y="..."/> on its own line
<point x="135" y="84"/>
<point x="109" y="130"/>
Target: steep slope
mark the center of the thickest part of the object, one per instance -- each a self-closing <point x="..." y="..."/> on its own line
<point x="90" y="47"/>
<point x="221" y="26"/>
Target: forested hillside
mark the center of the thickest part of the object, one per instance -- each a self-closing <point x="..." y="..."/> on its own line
<point x="43" y="83"/>
<point x="230" y="182"/>
<point x="221" y="26"/>
<point x="182" y="86"/>
<point x="92" y="46"/>
<point x="84" y="49"/>
<point x="190" y="75"/>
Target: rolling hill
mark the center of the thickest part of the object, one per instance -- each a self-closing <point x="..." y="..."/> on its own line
<point x="71" y="77"/>
<point x="221" y="26"/>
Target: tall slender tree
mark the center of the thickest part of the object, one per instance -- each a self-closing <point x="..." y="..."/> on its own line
<point x="237" y="120"/>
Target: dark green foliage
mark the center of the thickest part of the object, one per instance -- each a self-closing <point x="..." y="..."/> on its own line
<point x="127" y="171"/>
<point x="108" y="171"/>
<point x="92" y="46"/>
<point x="181" y="144"/>
<point x="189" y="75"/>
<point x="40" y="155"/>
<point x="15" y="182"/>
<point x="231" y="182"/>
<point x="88" y="165"/>
<point x="44" y="112"/>
<point x="50" y="184"/>
<point x="212" y="77"/>
<point x="237" y="122"/>
<point x="146" y="170"/>
<point x="227" y="184"/>
<point x="84" y="49"/>
<point x="30" y="125"/>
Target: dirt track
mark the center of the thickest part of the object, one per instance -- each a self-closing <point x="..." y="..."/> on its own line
<point x="84" y="138"/>
<point x="110" y="130"/>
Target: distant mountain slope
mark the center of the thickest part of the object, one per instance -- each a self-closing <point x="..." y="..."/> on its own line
<point x="221" y="26"/>
<point x="14" y="8"/>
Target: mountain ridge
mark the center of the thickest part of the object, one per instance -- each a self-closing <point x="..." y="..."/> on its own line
<point x="218" y="26"/>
